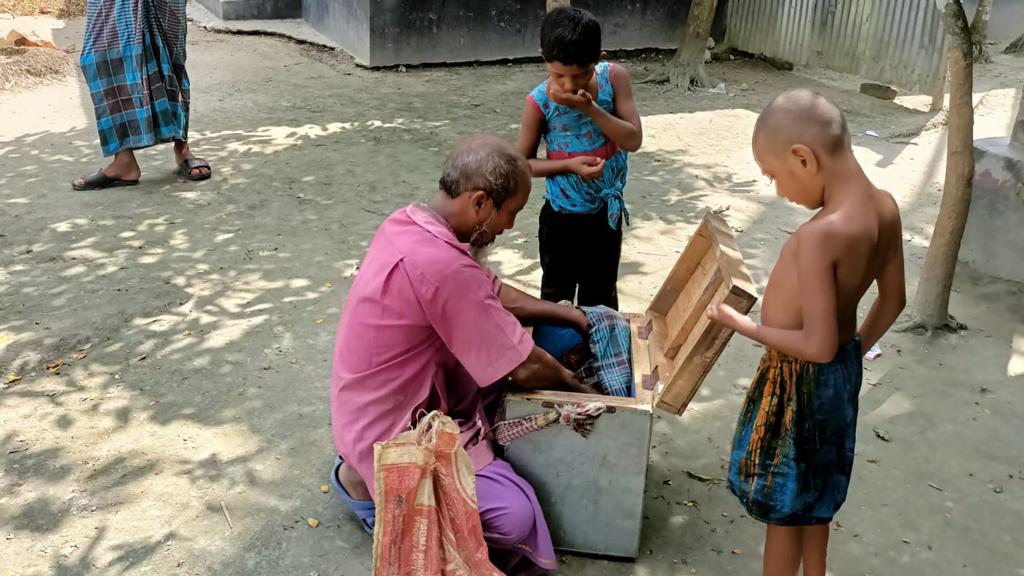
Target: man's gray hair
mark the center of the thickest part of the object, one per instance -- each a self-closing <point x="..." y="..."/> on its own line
<point x="486" y="163"/>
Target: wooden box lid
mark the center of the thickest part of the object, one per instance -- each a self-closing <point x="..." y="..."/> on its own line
<point x="682" y="342"/>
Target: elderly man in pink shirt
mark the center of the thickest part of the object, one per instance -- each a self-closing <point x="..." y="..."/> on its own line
<point x="426" y="327"/>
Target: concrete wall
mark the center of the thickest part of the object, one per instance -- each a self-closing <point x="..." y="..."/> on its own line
<point x="253" y="9"/>
<point x="391" y="32"/>
<point x="434" y="31"/>
<point x="627" y="24"/>
<point x="1006" y="21"/>
<point x="992" y="241"/>
<point x="346" y="22"/>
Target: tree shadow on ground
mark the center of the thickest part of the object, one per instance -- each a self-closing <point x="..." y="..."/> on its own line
<point x="205" y="312"/>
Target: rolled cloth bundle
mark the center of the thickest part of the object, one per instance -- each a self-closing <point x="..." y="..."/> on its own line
<point x="605" y="362"/>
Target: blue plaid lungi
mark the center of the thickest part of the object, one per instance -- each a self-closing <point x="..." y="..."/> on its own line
<point x="604" y="360"/>
<point x="133" y="59"/>
<point x="611" y="368"/>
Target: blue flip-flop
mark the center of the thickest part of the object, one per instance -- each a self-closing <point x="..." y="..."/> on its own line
<point x="365" y="510"/>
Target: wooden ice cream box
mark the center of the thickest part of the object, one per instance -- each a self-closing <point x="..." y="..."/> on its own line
<point x="592" y="489"/>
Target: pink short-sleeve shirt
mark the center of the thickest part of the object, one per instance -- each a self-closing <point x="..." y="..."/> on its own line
<point x="422" y="329"/>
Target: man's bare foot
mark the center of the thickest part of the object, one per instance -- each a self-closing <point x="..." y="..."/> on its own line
<point x="122" y="167"/>
<point x="353" y="483"/>
<point x="182" y="153"/>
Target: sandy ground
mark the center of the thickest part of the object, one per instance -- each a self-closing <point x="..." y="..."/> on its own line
<point x="194" y="322"/>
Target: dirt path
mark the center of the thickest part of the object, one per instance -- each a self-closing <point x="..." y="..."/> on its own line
<point x="195" y="322"/>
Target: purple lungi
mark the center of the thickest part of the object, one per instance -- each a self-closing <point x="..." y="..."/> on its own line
<point x="514" y="526"/>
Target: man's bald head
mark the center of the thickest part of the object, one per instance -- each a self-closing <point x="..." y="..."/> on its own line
<point x="802" y="117"/>
<point x="486" y="163"/>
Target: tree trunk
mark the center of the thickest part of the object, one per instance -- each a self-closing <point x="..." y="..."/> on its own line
<point x="979" y="31"/>
<point x="552" y="4"/>
<point x="936" y="281"/>
<point x="939" y="96"/>
<point x="687" y="67"/>
<point x="1017" y="135"/>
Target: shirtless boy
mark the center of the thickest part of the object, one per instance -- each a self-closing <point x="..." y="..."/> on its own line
<point x="792" y="453"/>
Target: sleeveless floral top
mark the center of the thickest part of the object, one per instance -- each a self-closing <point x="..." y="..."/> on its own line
<point x="569" y="133"/>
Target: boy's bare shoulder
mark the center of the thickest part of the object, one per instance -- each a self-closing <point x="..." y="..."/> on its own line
<point x="888" y="209"/>
<point x="822" y="227"/>
<point x="831" y="234"/>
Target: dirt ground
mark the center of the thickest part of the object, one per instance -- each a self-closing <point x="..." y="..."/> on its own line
<point x="188" y="328"/>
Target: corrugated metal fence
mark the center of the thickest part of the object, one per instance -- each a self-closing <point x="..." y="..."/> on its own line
<point x="898" y="42"/>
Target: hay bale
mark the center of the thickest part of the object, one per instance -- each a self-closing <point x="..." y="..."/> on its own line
<point x="59" y="8"/>
<point x="26" y="67"/>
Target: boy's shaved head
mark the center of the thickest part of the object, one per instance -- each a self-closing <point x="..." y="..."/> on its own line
<point x="803" y="117"/>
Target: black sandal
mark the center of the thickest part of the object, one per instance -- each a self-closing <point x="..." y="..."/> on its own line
<point x="189" y="164"/>
<point x="100" y="181"/>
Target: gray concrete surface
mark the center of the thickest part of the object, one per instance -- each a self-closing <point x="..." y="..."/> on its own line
<point x="1006" y="21"/>
<point x="437" y="31"/>
<point x="254" y="9"/>
<point x="292" y="28"/>
<point x="195" y="322"/>
<point x="345" y="22"/>
<point x="994" y="240"/>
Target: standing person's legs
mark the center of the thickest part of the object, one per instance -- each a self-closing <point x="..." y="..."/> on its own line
<point x="786" y="547"/>
<point x="514" y="526"/>
<point x="783" y="546"/>
<point x="138" y="102"/>
<point x="188" y="164"/>
<point x="815" y="549"/>
<point x="173" y="35"/>
<point x="123" y="169"/>
<point x="558" y="259"/>
<point x="599" y="271"/>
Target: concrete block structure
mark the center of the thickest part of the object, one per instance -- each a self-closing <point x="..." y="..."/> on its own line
<point x="392" y="32"/>
<point x="379" y="33"/>
<point x="993" y="243"/>
<point x="253" y="9"/>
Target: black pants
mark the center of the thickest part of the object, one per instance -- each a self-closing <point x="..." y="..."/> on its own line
<point x="579" y="254"/>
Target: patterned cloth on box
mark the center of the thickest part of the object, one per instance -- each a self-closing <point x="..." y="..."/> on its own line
<point x="580" y="417"/>
<point x="133" y="58"/>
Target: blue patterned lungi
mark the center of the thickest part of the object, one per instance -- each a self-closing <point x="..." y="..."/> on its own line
<point x="792" y="453"/>
<point x="133" y="59"/>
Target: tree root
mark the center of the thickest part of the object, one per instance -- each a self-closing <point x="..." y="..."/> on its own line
<point x="922" y="328"/>
<point x="981" y="55"/>
<point x="656" y="78"/>
<point x="687" y="78"/>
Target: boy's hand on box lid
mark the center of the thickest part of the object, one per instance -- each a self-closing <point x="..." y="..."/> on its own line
<point x="727" y="316"/>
